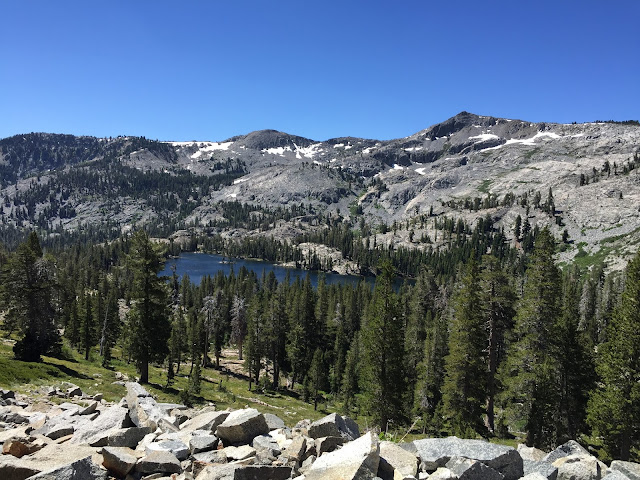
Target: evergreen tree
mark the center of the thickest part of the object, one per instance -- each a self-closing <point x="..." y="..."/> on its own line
<point x="530" y="374"/>
<point x="464" y="388"/>
<point x="498" y="300"/>
<point x="28" y="283"/>
<point x="351" y="375"/>
<point x="382" y="379"/>
<point x="238" y="322"/>
<point x="110" y="326"/>
<point x="87" y="326"/>
<point x="421" y="307"/>
<point x="614" y="407"/>
<point x="577" y="367"/>
<point x="148" y="319"/>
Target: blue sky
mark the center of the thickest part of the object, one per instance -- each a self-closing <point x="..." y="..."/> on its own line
<point x="208" y="70"/>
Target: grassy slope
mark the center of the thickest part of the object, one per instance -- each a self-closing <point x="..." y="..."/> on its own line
<point x="218" y="388"/>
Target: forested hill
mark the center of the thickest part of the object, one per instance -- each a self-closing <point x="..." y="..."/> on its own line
<point x="338" y="197"/>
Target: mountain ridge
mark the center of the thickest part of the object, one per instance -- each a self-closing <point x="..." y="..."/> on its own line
<point x="437" y="170"/>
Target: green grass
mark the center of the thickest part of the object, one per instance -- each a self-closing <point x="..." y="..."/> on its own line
<point x="484" y="186"/>
<point x="217" y="387"/>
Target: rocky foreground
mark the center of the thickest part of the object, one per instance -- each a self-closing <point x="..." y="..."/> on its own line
<point x="86" y="438"/>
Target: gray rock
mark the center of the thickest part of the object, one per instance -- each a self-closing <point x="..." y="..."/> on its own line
<point x="570" y="448"/>
<point x="118" y="460"/>
<point x="530" y="453"/>
<point x="273" y="421"/>
<point x="74" y="391"/>
<point x="334" y="425"/>
<point x="218" y="472"/>
<point x="356" y="460"/>
<point x="442" y="473"/>
<point x="296" y="449"/>
<point x="213" y="456"/>
<point x="242" y="426"/>
<point x="547" y="470"/>
<point x="96" y="433"/>
<point x="468" y="469"/>
<point x="205" y="421"/>
<point x="7" y="394"/>
<point x="12" y="468"/>
<point x="533" y="476"/>
<point x="436" y="452"/>
<point x="203" y="443"/>
<point x="158" y="462"/>
<point x="176" y="447"/>
<point x="327" y="444"/>
<point x="394" y="458"/>
<point x="13" y="417"/>
<point x="89" y="409"/>
<point x="58" y="431"/>
<point x="615" y="475"/>
<point x="239" y="453"/>
<point x="262" y="472"/>
<point x="127" y="437"/>
<point x="579" y="466"/>
<point x="266" y="442"/>
<point x="143" y="409"/>
<point x="83" y="469"/>
<point x="629" y="469"/>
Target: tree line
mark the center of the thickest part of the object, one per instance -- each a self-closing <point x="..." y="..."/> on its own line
<point x="485" y="350"/>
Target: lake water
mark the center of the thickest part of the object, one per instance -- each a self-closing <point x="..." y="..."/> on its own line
<point x="198" y="265"/>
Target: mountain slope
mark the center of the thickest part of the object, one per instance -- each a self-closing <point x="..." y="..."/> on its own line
<point x="469" y="166"/>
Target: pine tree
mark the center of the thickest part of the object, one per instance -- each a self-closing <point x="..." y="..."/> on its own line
<point x="238" y="322"/>
<point x="421" y="307"/>
<point x="87" y="327"/>
<point x="464" y="388"/>
<point x="575" y="355"/>
<point x="382" y="379"/>
<point x="498" y="300"/>
<point x="350" y="385"/>
<point x="28" y="282"/>
<point x="148" y="319"/>
<point x="110" y="326"/>
<point x="531" y="373"/>
<point x="614" y="407"/>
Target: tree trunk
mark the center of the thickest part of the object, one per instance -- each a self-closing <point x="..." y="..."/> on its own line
<point x="144" y="372"/>
<point x="239" y="349"/>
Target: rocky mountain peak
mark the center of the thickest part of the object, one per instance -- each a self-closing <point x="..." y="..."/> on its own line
<point x="265" y="139"/>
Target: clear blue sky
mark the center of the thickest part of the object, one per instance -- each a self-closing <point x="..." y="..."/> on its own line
<point x="208" y="70"/>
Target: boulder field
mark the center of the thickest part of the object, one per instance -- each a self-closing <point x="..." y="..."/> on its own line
<point x="86" y="438"/>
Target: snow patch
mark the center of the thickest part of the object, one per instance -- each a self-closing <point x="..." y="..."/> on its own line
<point x="421" y="170"/>
<point x="527" y="141"/>
<point x="397" y="167"/>
<point x="413" y="149"/>
<point x="277" y="150"/>
<point x="308" y="152"/>
<point x="240" y="180"/>
<point x="211" y="147"/>
<point x="483" y="137"/>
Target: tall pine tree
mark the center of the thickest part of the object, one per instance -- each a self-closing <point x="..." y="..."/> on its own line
<point x="614" y="408"/>
<point x="531" y="373"/>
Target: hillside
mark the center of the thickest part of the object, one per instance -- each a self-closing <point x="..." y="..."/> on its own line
<point x="467" y="167"/>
